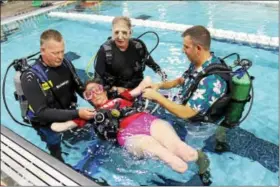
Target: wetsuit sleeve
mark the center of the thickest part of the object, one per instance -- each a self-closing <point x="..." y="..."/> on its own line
<point x="38" y="101"/>
<point x="100" y="65"/>
<point x="209" y="90"/>
<point x="150" y="61"/>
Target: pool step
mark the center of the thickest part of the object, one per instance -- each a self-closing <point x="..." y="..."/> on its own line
<point x="27" y="165"/>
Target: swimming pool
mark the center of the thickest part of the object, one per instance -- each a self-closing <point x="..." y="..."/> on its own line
<point x="115" y="165"/>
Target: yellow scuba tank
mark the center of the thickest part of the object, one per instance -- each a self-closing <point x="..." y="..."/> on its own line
<point x="241" y="86"/>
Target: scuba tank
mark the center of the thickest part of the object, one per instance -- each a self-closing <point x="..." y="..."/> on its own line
<point x="21" y="65"/>
<point x="19" y="95"/>
<point x="240" y="95"/>
<point x="241" y="87"/>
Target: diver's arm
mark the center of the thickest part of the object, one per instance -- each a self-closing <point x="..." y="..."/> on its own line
<point x="169" y="84"/>
<point x="38" y="101"/>
<point x="199" y="101"/>
<point x="59" y="115"/>
<point x="153" y="65"/>
<point x="150" y="61"/>
<point x="181" y="111"/>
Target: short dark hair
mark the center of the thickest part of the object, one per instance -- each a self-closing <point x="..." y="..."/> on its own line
<point x="199" y="36"/>
<point x="50" y="34"/>
<point x="94" y="80"/>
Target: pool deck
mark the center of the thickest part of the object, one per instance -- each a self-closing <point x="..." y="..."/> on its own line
<point x="12" y="11"/>
<point x="16" y="8"/>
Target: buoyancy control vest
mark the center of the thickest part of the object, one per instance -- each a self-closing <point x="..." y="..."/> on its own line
<point x="106" y="124"/>
<point x="27" y="112"/>
<point x="138" y="67"/>
<point x="107" y="121"/>
<point x="228" y="109"/>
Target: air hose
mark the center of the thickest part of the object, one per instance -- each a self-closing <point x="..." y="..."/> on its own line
<point x="90" y="63"/>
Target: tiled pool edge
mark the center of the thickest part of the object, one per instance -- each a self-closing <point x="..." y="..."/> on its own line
<point x="13" y="19"/>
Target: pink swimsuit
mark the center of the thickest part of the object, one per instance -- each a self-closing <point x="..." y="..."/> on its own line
<point x="140" y="125"/>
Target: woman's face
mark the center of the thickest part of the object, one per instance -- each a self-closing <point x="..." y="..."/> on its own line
<point x="96" y="94"/>
<point x="121" y="34"/>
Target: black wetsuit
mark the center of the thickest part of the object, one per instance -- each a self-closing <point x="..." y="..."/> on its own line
<point x="123" y="66"/>
<point x="49" y="110"/>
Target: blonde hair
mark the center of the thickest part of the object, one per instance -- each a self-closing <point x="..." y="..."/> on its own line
<point x="122" y="18"/>
<point x="50" y="35"/>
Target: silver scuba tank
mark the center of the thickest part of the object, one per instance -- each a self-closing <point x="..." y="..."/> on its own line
<point x="20" y="95"/>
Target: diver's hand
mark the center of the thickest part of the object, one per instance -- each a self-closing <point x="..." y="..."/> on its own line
<point x="120" y="89"/>
<point x="151" y="94"/>
<point x="86" y="113"/>
<point x="180" y="80"/>
<point x="163" y="75"/>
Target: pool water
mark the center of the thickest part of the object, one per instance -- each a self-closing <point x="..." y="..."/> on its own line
<point x="227" y="15"/>
<point x="114" y="165"/>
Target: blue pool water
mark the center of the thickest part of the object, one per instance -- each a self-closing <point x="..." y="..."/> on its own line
<point x="228" y="15"/>
<point x="116" y="166"/>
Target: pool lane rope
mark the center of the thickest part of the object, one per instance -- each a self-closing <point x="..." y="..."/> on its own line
<point x="218" y="34"/>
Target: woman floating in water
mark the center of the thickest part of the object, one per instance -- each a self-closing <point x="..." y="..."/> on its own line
<point x="141" y="133"/>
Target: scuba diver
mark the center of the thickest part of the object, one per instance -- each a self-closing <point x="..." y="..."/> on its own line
<point x="212" y="87"/>
<point x="121" y="60"/>
<point x="46" y="90"/>
<point x="141" y="133"/>
<point x="210" y="90"/>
